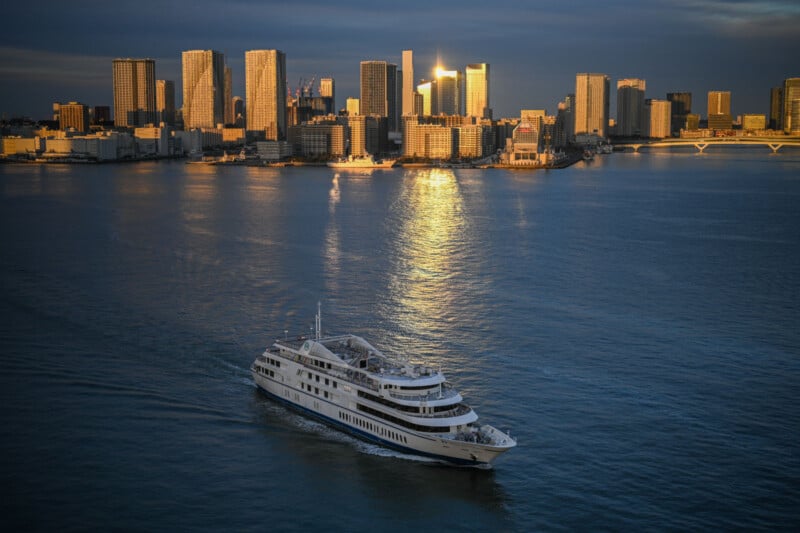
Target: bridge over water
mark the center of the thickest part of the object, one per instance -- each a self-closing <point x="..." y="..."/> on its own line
<point x="774" y="143"/>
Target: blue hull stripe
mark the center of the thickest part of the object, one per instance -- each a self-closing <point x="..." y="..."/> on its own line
<point x="364" y="435"/>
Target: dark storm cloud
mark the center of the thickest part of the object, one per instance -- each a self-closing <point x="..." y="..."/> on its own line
<point x="60" y="51"/>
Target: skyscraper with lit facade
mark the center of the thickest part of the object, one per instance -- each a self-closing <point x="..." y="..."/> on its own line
<point x="265" y="93"/>
<point x="379" y="91"/>
<point x="203" y="88"/>
<point x="134" y="83"/>
<point x="228" y="97"/>
<point x="408" y="82"/>
<point x="449" y="99"/>
<point x="591" y="104"/>
<point x="165" y="101"/>
<point x="327" y="91"/>
<point x="477" y="75"/>
<point x="630" y="106"/>
<point x="719" y="110"/>
<point x="657" y="118"/>
<point x="427" y="91"/>
<point x="791" y="105"/>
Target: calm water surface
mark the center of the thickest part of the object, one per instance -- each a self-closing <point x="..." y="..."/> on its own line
<point x="633" y="322"/>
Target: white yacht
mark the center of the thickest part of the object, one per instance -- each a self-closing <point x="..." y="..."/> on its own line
<point x="350" y="384"/>
<point x="367" y="161"/>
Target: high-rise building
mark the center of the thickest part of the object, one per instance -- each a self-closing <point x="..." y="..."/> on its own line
<point x="754" y="121"/>
<point x="134" y="92"/>
<point x="630" y="107"/>
<point x="449" y="99"/>
<point x="75" y="116"/>
<point x="591" y="104"/>
<point x="228" y="112"/>
<point x="265" y="93"/>
<point x="681" y="107"/>
<point x="165" y="101"/>
<point x="427" y="90"/>
<point x="101" y="114"/>
<point x="791" y="105"/>
<point x="353" y="106"/>
<point x="237" y="102"/>
<point x="408" y="82"/>
<point x="719" y="110"/>
<point x="379" y="91"/>
<point x="477" y="75"/>
<point x="203" y="88"/>
<point x="658" y="118"/>
<point x="776" y="108"/>
<point x="327" y="91"/>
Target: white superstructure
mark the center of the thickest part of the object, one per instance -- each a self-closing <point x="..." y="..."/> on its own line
<point x="366" y="161"/>
<point x="350" y="384"/>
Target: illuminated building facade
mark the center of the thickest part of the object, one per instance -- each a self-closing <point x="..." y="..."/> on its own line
<point x="265" y="93"/>
<point x="630" y="106"/>
<point x="203" y="88"/>
<point x="477" y="76"/>
<point x="591" y="104"/>
<point x="134" y="82"/>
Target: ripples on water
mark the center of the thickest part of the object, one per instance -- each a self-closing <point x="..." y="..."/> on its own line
<point x="632" y="322"/>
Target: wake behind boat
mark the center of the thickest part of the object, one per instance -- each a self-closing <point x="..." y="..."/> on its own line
<point x="366" y="161"/>
<point x="350" y="384"/>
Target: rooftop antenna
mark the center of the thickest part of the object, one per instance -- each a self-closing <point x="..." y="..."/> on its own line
<point x="318" y="324"/>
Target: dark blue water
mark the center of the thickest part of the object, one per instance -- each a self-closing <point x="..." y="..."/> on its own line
<point x="634" y="322"/>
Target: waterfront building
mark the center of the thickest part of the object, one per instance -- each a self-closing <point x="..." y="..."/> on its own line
<point x="776" y="108"/>
<point x="429" y="138"/>
<point x="134" y="85"/>
<point x="427" y="91"/>
<point x="75" y="116"/>
<point x="327" y="92"/>
<point x="379" y="91"/>
<point x="477" y="75"/>
<point x="237" y="102"/>
<point x="228" y="103"/>
<point x="353" y="106"/>
<point x="165" y="101"/>
<point x="719" y="110"/>
<point x="658" y="118"/>
<point x="522" y="148"/>
<point x="692" y="122"/>
<point x="364" y="135"/>
<point x="449" y="99"/>
<point x="203" y="88"/>
<point x="273" y="150"/>
<point x="471" y="141"/>
<point x="318" y="140"/>
<point x="591" y="105"/>
<point x="754" y="122"/>
<point x="630" y="107"/>
<point x="791" y="105"/>
<point x="265" y="93"/>
<point x="408" y="93"/>
<point x="681" y="107"/>
<point x="152" y="141"/>
<point x="101" y="114"/>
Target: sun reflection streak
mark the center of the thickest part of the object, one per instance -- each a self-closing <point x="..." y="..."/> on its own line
<point x="333" y="250"/>
<point x="429" y="248"/>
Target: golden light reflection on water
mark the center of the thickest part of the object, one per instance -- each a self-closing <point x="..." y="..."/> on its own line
<point x="333" y="251"/>
<point x="429" y="247"/>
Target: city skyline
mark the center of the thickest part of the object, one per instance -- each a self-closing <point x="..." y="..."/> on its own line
<point x="535" y="50"/>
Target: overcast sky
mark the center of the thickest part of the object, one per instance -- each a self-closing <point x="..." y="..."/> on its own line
<point x="62" y="51"/>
